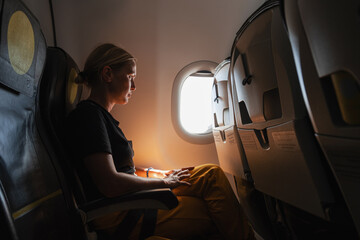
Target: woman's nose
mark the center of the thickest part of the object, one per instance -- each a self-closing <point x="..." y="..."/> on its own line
<point x="133" y="88"/>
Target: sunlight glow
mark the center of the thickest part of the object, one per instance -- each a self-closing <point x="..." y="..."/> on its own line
<point x="195" y="104"/>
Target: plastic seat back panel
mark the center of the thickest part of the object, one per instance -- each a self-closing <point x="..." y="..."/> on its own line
<point x="271" y="117"/>
<point x="325" y="38"/>
<point x="228" y="146"/>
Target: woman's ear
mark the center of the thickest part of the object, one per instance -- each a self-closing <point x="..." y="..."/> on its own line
<point x="106" y="74"/>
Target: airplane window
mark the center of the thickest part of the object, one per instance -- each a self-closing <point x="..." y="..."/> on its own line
<point x="191" y="108"/>
<point x="195" y="103"/>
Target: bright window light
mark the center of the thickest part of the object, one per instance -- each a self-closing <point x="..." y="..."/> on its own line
<point x="195" y="104"/>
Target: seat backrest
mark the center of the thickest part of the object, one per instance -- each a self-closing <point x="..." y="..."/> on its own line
<point x="271" y="116"/>
<point x="285" y="161"/>
<point x="325" y="38"/>
<point x="29" y="182"/>
<point x="58" y="95"/>
<point x="231" y="154"/>
<point x="228" y="146"/>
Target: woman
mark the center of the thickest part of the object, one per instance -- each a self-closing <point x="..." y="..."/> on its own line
<point x="103" y="158"/>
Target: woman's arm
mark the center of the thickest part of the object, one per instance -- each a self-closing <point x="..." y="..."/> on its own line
<point x="112" y="183"/>
<point x="151" y="172"/>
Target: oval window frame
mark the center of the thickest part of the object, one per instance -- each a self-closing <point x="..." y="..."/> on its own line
<point x="183" y="74"/>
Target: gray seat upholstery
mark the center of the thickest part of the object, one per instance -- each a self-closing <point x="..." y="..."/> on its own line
<point x="29" y="184"/>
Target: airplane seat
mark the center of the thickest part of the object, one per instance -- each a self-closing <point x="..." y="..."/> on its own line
<point x="53" y="107"/>
<point x="231" y="154"/>
<point x="29" y="185"/>
<point x="325" y="38"/>
<point x="284" y="159"/>
<point x="224" y="124"/>
<point x="58" y="95"/>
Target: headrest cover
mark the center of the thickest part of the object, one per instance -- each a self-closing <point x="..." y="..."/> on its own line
<point x="23" y="48"/>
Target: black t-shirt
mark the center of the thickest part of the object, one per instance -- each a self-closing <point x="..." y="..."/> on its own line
<point x="91" y="129"/>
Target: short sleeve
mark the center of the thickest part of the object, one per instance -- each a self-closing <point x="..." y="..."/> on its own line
<point x="86" y="133"/>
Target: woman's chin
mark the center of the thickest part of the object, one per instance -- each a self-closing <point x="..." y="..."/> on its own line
<point x="123" y="101"/>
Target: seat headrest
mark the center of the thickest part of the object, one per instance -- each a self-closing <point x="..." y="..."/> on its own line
<point x="59" y="93"/>
<point x="65" y="70"/>
<point x="222" y="71"/>
<point x="22" y="48"/>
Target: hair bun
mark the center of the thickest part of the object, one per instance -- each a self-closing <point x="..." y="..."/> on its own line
<point x="80" y="78"/>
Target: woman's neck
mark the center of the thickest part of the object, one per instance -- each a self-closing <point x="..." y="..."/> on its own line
<point x="101" y="99"/>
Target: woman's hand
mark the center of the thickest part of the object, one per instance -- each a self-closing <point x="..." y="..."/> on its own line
<point x="157" y="173"/>
<point x="175" y="178"/>
<point x="167" y="172"/>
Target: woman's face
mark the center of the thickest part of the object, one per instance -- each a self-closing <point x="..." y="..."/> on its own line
<point x="122" y="84"/>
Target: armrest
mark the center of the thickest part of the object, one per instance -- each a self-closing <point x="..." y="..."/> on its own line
<point x="162" y="198"/>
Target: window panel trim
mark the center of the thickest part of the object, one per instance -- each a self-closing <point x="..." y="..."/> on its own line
<point x="189" y="70"/>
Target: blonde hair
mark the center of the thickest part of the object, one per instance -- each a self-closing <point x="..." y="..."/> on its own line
<point x="104" y="55"/>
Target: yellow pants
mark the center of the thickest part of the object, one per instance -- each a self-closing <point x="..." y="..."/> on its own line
<point x="207" y="209"/>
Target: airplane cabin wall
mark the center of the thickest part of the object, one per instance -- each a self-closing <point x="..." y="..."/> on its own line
<point x="164" y="36"/>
